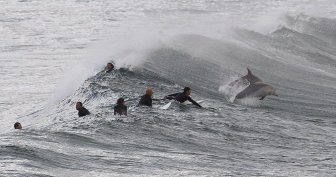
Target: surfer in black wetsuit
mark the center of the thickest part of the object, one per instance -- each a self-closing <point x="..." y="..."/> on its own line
<point x="182" y="97"/>
<point x="17" y="125"/>
<point x="81" y="110"/>
<point x="109" y="67"/>
<point x="146" y="99"/>
<point x="120" y="108"/>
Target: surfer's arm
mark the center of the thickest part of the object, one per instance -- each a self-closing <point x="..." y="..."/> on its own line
<point x="115" y="110"/>
<point x="156" y="99"/>
<point x="87" y="112"/>
<point x="171" y="96"/>
<point x="194" y="102"/>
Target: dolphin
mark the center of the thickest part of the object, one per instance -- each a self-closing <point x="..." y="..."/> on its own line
<point x="256" y="88"/>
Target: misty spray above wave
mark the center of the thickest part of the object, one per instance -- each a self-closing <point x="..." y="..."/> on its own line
<point x="152" y="46"/>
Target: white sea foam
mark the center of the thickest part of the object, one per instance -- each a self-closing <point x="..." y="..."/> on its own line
<point x="231" y="90"/>
<point x="249" y="101"/>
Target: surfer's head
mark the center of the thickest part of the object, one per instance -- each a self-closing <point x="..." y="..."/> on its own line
<point x="187" y="90"/>
<point x="120" y="101"/>
<point x="17" y="125"/>
<point x="79" y="105"/>
<point x="109" y="67"/>
<point x="149" y="92"/>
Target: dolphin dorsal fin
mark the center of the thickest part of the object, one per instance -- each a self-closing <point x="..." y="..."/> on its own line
<point x="251" y="78"/>
<point x="249" y="72"/>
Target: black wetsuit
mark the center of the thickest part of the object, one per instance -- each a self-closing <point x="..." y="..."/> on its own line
<point x="83" y="112"/>
<point x="120" y="109"/>
<point x="182" y="97"/>
<point x="145" y="100"/>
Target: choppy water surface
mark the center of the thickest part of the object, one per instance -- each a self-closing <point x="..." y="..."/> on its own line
<point x="52" y="55"/>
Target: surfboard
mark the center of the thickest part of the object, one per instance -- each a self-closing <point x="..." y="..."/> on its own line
<point x="166" y="106"/>
<point x="188" y="102"/>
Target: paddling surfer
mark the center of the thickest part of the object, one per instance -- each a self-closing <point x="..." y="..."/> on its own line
<point x="81" y="110"/>
<point x="182" y="97"/>
<point x="17" y="125"/>
<point x="109" y="67"/>
<point x="120" y="108"/>
<point x="146" y="99"/>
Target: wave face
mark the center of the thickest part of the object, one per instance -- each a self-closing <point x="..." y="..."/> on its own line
<point x="289" y="135"/>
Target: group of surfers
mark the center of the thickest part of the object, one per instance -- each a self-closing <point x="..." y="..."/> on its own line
<point x="146" y="100"/>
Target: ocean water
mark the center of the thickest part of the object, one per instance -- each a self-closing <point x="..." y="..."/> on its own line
<point x="53" y="54"/>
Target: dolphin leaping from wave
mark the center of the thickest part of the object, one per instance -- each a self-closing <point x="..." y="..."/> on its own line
<point x="256" y="88"/>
